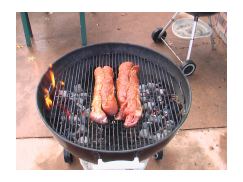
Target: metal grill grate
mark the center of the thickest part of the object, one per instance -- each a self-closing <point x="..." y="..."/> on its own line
<point x="69" y="116"/>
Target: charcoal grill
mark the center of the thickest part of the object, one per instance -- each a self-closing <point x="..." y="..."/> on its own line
<point x="165" y="96"/>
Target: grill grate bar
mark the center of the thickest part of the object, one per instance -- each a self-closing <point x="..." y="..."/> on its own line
<point x="113" y="124"/>
<point x="57" y="102"/>
<point x="87" y="91"/>
<point x="63" y="124"/>
<point x="146" y="70"/>
<point x="117" y="122"/>
<point x="109" y="126"/>
<point x="173" y="91"/>
<point x="68" y="120"/>
<point x="82" y="82"/>
<point x="60" y="110"/>
<point x="155" y="95"/>
<point x="140" y="82"/>
<point x="139" y="124"/>
<point x="79" y="114"/>
<point x="73" y="106"/>
<point x="170" y="116"/>
<point x="159" y="108"/>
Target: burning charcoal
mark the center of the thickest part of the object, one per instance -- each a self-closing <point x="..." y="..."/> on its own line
<point x="145" y="125"/>
<point x="150" y="105"/>
<point x="143" y="98"/>
<point x="82" y="108"/>
<point x="62" y="93"/>
<point x="147" y="92"/>
<point x="83" y="140"/>
<point x="151" y="85"/>
<point x="144" y="133"/>
<point x="171" y="122"/>
<point x="159" y="136"/>
<point x="87" y="112"/>
<point x="73" y="119"/>
<point x="145" y="106"/>
<point x="157" y="85"/>
<point x="165" y="132"/>
<point x="83" y="117"/>
<point x="151" y="119"/>
<point x="159" y="98"/>
<point x="63" y="118"/>
<point x="81" y="129"/>
<point x="80" y="101"/>
<point x="162" y="91"/>
<point x="84" y="95"/>
<point x="77" y="88"/>
<point x="166" y="112"/>
<point x="142" y="87"/>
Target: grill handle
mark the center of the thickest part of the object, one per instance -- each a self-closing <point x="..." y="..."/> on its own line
<point x="121" y="164"/>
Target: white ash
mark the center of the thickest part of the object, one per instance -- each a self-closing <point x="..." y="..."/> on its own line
<point x="77" y="88"/>
<point x="83" y="140"/>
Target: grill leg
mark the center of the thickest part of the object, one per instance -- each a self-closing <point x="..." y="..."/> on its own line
<point x="168" y="24"/>
<point x="192" y="37"/>
<point x="68" y="157"/>
<point x="159" y="155"/>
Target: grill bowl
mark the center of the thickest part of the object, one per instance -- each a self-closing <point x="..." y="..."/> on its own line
<point x="151" y="64"/>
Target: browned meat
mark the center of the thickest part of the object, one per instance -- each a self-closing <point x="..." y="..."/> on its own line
<point x="128" y="94"/>
<point x="122" y="85"/>
<point x="109" y="103"/>
<point x="104" y="101"/>
<point x="97" y="114"/>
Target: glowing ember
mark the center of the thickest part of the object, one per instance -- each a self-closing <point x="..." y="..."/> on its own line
<point x="48" y="100"/>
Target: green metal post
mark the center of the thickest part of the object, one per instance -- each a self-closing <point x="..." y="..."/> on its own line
<point x="83" y="28"/>
<point x="31" y="34"/>
<point x="27" y="33"/>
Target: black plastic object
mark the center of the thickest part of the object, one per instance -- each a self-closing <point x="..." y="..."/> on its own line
<point x="68" y="157"/>
<point x="155" y="35"/>
<point x="198" y="14"/>
<point x="159" y="155"/>
<point x="188" y="67"/>
<point x="117" y="52"/>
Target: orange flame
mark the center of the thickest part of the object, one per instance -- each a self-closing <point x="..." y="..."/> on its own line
<point x="51" y="73"/>
<point x="48" y="100"/>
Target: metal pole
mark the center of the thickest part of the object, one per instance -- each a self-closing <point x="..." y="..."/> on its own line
<point x="168" y="24"/>
<point x="83" y="28"/>
<point x="27" y="32"/>
<point x="192" y="37"/>
<point x="171" y="50"/>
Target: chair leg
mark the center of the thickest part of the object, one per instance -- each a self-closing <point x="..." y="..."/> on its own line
<point x="83" y="29"/>
<point x="31" y="34"/>
<point x="192" y="38"/>
<point x="27" y="33"/>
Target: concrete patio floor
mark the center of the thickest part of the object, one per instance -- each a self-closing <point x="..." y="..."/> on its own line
<point x="200" y="144"/>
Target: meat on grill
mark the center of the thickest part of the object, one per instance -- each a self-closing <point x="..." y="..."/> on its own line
<point x="128" y="94"/>
<point x="104" y="101"/>
<point x="122" y="84"/>
<point x="97" y="114"/>
<point x="109" y="103"/>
